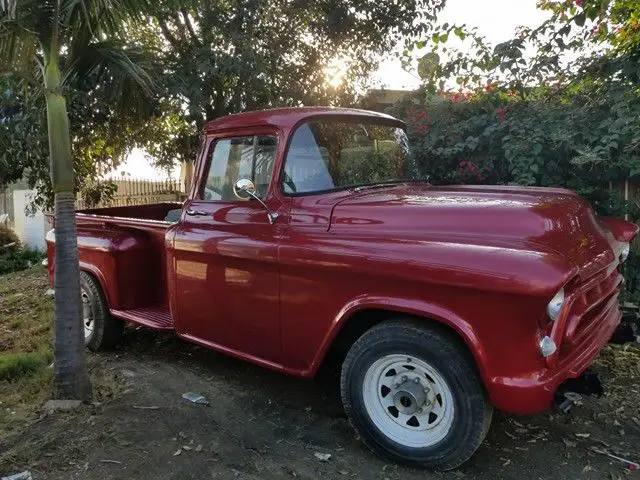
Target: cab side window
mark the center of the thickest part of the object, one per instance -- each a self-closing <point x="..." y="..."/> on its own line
<point x="235" y="158"/>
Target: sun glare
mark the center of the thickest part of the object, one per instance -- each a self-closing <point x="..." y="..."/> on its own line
<point x="335" y="72"/>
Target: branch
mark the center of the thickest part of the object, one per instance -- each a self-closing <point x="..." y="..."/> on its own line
<point x="167" y="33"/>
<point x="23" y="76"/>
<point x="192" y="32"/>
<point x="179" y="25"/>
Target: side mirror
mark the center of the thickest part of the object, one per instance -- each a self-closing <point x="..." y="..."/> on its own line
<point x="244" y="189"/>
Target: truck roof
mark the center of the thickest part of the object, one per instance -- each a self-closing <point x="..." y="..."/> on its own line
<point x="288" y="117"/>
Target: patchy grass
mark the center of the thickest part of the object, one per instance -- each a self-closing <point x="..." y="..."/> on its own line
<point x="26" y="312"/>
<point x="26" y="334"/>
<point x="26" y="322"/>
<point x="14" y="366"/>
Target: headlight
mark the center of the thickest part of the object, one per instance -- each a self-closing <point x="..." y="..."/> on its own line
<point x="555" y="305"/>
<point x="50" y="236"/>
<point x="625" y="252"/>
<point x="547" y="346"/>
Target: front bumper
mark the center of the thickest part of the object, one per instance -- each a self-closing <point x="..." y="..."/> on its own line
<point x="535" y="393"/>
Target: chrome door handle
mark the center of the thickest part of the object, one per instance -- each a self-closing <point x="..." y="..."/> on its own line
<point x="199" y="213"/>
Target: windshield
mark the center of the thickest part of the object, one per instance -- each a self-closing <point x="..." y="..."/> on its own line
<point x="335" y="154"/>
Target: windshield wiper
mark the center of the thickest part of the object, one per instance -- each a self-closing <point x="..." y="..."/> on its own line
<point x="376" y="185"/>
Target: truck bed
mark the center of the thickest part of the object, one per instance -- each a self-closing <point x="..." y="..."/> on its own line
<point x="168" y="212"/>
<point x="124" y="248"/>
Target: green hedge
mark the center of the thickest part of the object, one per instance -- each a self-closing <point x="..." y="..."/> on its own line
<point x="16" y="257"/>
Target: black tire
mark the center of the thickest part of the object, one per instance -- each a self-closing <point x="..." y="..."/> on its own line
<point x="107" y="330"/>
<point x="451" y="360"/>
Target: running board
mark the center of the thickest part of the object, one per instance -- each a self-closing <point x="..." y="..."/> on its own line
<point x="158" y="318"/>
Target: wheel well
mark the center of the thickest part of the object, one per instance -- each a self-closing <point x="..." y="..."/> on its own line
<point x="96" y="278"/>
<point x="363" y="320"/>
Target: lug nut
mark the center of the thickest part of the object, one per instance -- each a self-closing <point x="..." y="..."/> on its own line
<point x="396" y="385"/>
<point x="416" y="380"/>
<point x="404" y="378"/>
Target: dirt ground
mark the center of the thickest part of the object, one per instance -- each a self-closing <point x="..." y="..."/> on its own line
<point x="263" y="425"/>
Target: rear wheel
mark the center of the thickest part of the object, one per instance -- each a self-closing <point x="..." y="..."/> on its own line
<point x="101" y="330"/>
<point x="413" y="394"/>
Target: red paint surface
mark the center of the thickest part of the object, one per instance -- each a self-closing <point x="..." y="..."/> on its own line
<point x="483" y="260"/>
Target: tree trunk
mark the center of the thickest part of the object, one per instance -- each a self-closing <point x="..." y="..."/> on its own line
<point x="71" y="377"/>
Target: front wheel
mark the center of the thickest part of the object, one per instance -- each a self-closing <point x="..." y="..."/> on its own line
<point x="413" y="394"/>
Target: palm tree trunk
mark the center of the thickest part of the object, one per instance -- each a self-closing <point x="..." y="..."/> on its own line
<point x="71" y="379"/>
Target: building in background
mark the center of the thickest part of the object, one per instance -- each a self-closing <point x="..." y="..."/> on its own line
<point x="380" y="100"/>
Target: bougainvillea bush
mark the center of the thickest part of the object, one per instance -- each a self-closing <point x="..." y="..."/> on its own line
<point x="561" y="138"/>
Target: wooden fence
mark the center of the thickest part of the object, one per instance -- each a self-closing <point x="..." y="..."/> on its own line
<point x="139" y="192"/>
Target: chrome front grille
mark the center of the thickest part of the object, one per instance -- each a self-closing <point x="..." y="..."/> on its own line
<point x="592" y="301"/>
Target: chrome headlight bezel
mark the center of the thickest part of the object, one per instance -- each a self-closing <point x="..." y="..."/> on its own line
<point x="554" y="307"/>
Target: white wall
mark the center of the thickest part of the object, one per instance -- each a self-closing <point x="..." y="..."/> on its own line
<point x="30" y="229"/>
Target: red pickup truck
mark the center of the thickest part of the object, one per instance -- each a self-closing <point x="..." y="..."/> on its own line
<point x="305" y="238"/>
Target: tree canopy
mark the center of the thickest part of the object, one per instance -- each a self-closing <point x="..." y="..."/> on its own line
<point x="201" y="60"/>
<point x="568" y="114"/>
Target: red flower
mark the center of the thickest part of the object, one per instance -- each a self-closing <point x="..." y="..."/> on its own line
<point x="488" y="88"/>
<point x="502" y="114"/>
<point x="469" y="171"/>
<point x="580" y="3"/>
<point x="422" y="128"/>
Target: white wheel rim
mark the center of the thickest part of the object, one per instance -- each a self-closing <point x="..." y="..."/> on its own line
<point x="408" y="400"/>
<point x="87" y="314"/>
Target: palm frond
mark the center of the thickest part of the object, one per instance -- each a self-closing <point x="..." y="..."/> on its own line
<point x="31" y="15"/>
<point x="104" y="18"/>
<point x="18" y="50"/>
<point x="119" y="70"/>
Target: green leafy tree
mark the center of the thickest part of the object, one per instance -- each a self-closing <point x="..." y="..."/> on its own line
<point x="46" y="43"/>
<point x="17" y="131"/>
<point x="105" y="126"/>
<point x="219" y="58"/>
<point x="568" y="114"/>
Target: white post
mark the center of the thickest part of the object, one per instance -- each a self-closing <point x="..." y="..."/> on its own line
<point x="30" y="229"/>
<point x="626" y="196"/>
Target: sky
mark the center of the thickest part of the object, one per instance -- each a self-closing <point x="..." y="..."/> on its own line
<point x="495" y="19"/>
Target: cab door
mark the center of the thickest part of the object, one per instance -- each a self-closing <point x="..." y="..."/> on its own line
<point x="224" y="253"/>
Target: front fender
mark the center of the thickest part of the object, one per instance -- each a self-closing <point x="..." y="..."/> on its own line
<point x="409" y="306"/>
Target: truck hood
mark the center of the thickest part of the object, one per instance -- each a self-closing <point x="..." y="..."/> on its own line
<point x="548" y="220"/>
